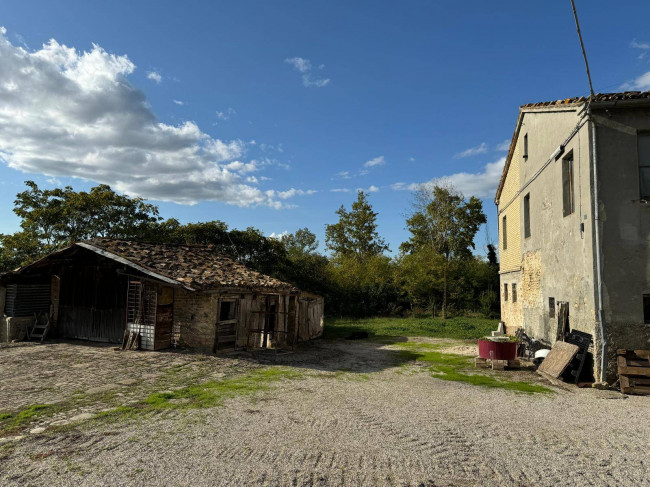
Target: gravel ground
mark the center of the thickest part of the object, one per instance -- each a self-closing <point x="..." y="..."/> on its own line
<point x="378" y="423"/>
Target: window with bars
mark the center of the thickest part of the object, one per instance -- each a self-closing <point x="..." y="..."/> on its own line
<point x="527" y="216"/>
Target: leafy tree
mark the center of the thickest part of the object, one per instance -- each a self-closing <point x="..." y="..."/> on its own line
<point x="445" y="222"/>
<point x="300" y="243"/>
<point x="355" y="234"/>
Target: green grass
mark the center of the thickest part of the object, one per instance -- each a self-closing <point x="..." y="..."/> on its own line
<point x="206" y="395"/>
<point x="453" y="367"/>
<point x="455" y="328"/>
<point x="9" y="421"/>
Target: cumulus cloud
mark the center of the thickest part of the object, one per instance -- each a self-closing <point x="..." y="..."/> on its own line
<point x="278" y="236"/>
<point x="377" y="161"/>
<point x="340" y="190"/>
<point x="154" y="76"/>
<point x="290" y="193"/>
<point x="472" y="151"/>
<point x="371" y="189"/>
<point x="67" y="113"/>
<point x="482" y="184"/>
<point x="305" y="67"/>
<point x="179" y="102"/>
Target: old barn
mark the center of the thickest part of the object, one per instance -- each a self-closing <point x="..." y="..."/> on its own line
<point x="170" y="294"/>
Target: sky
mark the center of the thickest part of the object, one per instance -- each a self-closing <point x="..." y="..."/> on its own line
<point x="272" y="114"/>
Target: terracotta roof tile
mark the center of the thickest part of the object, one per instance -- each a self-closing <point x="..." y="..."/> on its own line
<point x="599" y="97"/>
<point x="197" y="266"/>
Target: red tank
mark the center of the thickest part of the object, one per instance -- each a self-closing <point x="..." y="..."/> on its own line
<point x="497" y="350"/>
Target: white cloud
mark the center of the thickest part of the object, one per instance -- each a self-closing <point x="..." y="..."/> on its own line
<point x="178" y="102"/>
<point x="640" y="45"/>
<point x="225" y="114"/>
<point x="154" y="76"/>
<point x="340" y="190"/>
<point x="343" y="175"/>
<point x="411" y="159"/>
<point x="503" y="146"/>
<point x="482" y="185"/>
<point x="371" y="189"/>
<point x="472" y="151"/>
<point x="641" y="83"/>
<point x="68" y="113"/>
<point x="304" y="66"/>
<point x="278" y="236"/>
<point x="290" y="193"/>
<point x="377" y="161"/>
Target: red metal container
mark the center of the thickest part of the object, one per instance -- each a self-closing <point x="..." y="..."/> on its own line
<point x="497" y="350"/>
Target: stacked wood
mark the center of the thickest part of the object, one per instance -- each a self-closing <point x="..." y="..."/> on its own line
<point x="634" y="371"/>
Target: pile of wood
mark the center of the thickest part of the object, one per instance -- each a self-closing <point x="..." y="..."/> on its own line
<point x="634" y="371"/>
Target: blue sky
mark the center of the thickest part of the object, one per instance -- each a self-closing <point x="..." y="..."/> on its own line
<point x="272" y="114"/>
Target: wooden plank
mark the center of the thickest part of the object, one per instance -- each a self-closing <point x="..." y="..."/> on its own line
<point x="625" y="370"/>
<point x="558" y="359"/>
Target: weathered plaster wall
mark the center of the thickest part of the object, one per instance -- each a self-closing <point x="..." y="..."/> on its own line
<point x="511" y="313"/>
<point x="625" y="229"/>
<point x="556" y="260"/>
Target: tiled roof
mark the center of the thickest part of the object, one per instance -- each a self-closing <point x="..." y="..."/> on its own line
<point x="599" y="97"/>
<point x="193" y="266"/>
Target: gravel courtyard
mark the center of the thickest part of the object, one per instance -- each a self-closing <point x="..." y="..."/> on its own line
<point x="341" y="413"/>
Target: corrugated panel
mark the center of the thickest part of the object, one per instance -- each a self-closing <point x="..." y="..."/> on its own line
<point x="27" y="299"/>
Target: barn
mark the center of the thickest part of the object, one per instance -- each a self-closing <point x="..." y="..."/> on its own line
<point x="170" y="295"/>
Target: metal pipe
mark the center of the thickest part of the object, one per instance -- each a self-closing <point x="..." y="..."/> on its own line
<point x="599" y="280"/>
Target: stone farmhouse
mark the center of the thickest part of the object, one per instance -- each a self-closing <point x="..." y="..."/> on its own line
<point x="170" y="294"/>
<point x="574" y="222"/>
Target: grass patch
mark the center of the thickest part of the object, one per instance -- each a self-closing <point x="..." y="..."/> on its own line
<point x="9" y="421"/>
<point x="452" y="367"/>
<point x="206" y="395"/>
<point x="456" y="328"/>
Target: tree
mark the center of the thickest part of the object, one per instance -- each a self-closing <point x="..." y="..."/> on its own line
<point x="57" y="217"/>
<point x="302" y="242"/>
<point x="355" y="234"/>
<point x="445" y="222"/>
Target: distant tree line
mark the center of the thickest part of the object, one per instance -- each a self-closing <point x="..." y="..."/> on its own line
<point x="435" y="272"/>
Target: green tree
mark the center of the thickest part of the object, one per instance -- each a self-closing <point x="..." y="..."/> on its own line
<point x="57" y="217"/>
<point x="300" y="243"/>
<point x="355" y="234"/>
<point x="445" y="222"/>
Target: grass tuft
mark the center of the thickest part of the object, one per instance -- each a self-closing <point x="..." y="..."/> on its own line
<point x="9" y="421"/>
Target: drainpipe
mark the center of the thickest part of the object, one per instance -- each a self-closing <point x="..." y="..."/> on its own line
<point x="599" y="280"/>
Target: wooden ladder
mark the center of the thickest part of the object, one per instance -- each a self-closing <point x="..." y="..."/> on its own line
<point x="39" y="328"/>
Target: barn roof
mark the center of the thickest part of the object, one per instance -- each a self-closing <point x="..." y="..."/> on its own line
<point x="194" y="267"/>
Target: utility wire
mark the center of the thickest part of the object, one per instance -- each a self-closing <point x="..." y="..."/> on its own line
<point x="582" y="46"/>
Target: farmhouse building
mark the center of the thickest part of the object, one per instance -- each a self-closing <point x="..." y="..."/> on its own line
<point x="170" y="294"/>
<point x="574" y="222"/>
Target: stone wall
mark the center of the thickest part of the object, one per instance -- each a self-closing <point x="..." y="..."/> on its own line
<point x="511" y="311"/>
<point x="14" y="328"/>
<point x="195" y="314"/>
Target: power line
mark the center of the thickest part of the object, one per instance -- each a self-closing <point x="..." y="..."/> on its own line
<point x="582" y="46"/>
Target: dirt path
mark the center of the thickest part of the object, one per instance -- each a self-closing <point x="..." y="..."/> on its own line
<point x="356" y="417"/>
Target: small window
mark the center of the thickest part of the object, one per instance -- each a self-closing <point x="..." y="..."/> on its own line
<point x="643" y="142"/>
<point x="568" y="205"/>
<point x="514" y="292"/>
<point x="527" y="216"/>
<point x="227" y="311"/>
<point x="504" y="233"/>
<point x="551" y="307"/>
<point x="505" y="292"/>
<point x="646" y="308"/>
<point x="525" y="146"/>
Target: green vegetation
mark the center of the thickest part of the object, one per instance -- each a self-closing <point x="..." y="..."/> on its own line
<point x="206" y="395"/>
<point x="452" y="367"/>
<point x="455" y="328"/>
<point x="9" y="421"/>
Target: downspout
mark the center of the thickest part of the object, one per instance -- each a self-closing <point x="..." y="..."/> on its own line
<point x="599" y="280"/>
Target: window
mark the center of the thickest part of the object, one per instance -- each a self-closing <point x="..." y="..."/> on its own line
<point x="643" y="142"/>
<point x="505" y="292"/>
<point x="514" y="292"/>
<point x="525" y="146"/>
<point x="504" y="234"/>
<point x="227" y="311"/>
<point x="551" y="307"/>
<point x="567" y="185"/>
<point x="646" y="308"/>
<point x="527" y="216"/>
